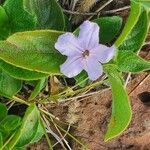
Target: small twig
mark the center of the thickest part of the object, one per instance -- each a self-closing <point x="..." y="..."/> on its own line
<point x="79" y="13"/>
<point x="85" y="96"/>
<point x="62" y="137"/>
<point x="102" y="7"/>
<point x="84" y="89"/>
<point x="139" y="84"/>
<point x="11" y="104"/>
<point x="63" y="130"/>
<point x="67" y="90"/>
<point x="46" y="135"/>
<point x="49" y="114"/>
<point x="116" y="10"/>
<point x="127" y="79"/>
<point x="71" y="136"/>
<point x="51" y="132"/>
<point x="96" y="13"/>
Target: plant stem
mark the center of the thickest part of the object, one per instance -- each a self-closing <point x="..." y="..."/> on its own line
<point x="46" y="135"/>
<point x="19" y="100"/>
<point x="68" y="133"/>
<point x="62" y="137"/>
<point x="116" y="10"/>
<point x="71" y="136"/>
<point x="96" y="13"/>
<point x="73" y="87"/>
<point x="76" y="91"/>
<point x="102" y="7"/>
<point x="47" y="113"/>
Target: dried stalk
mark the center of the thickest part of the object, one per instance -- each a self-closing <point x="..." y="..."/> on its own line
<point x="83" y="6"/>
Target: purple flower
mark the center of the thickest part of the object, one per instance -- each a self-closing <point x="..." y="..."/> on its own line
<point x="84" y="52"/>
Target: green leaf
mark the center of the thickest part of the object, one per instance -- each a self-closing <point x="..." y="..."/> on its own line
<point x="48" y="13"/>
<point x="3" y="111"/>
<point x="33" y="51"/>
<point x="39" y="133"/>
<point x="121" y="109"/>
<point x="19" y="148"/>
<point x="144" y="3"/>
<point x="28" y="129"/>
<point x="80" y="79"/>
<point x="10" y="123"/>
<point x="136" y="38"/>
<point x="19" y="73"/>
<point x="4" y="22"/>
<point x="8" y="85"/>
<point x="3" y="17"/>
<point x="1" y="140"/>
<point x="67" y="24"/>
<point x="109" y="28"/>
<point x="129" y="62"/>
<point x="38" y="88"/>
<point x="19" y="19"/>
<point x="132" y="20"/>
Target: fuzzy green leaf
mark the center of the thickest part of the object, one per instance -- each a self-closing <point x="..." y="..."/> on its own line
<point x="1" y="140"/>
<point x="38" y="88"/>
<point x="33" y="51"/>
<point x="10" y="123"/>
<point x="28" y="129"/>
<point x="121" y="109"/>
<point x="144" y="3"/>
<point x="3" y="17"/>
<point x="39" y="133"/>
<point x="109" y="28"/>
<point x="48" y="13"/>
<point x="8" y="85"/>
<point x="80" y="78"/>
<point x="129" y="62"/>
<point x="132" y="20"/>
<point x="3" y="111"/>
<point x="19" y="19"/>
<point x="136" y="38"/>
<point x="4" y="24"/>
<point x="19" y="73"/>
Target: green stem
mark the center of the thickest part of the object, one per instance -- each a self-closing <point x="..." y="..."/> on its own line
<point x="19" y="100"/>
<point x="47" y="113"/>
<point x="73" y="87"/>
<point x="75" y="139"/>
<point x="46" y="135"/>
<point x="77" y="91"/>
<point x="50" y="119"/>
<point x="55" y="118"/>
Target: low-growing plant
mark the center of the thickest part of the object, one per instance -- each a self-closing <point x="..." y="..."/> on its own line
<point x="39" y="48"/>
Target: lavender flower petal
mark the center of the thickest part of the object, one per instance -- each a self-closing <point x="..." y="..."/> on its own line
<point x="84" y="52"/>
<point x="71" y="67"/>
<point x="67" y="44"/>
<point x="93" y="68"/>
<point x="89" y="35"/>
<point x="103" y="53"/>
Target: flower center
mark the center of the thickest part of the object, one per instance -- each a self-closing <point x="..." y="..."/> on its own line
<point x="85" y="53"/>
